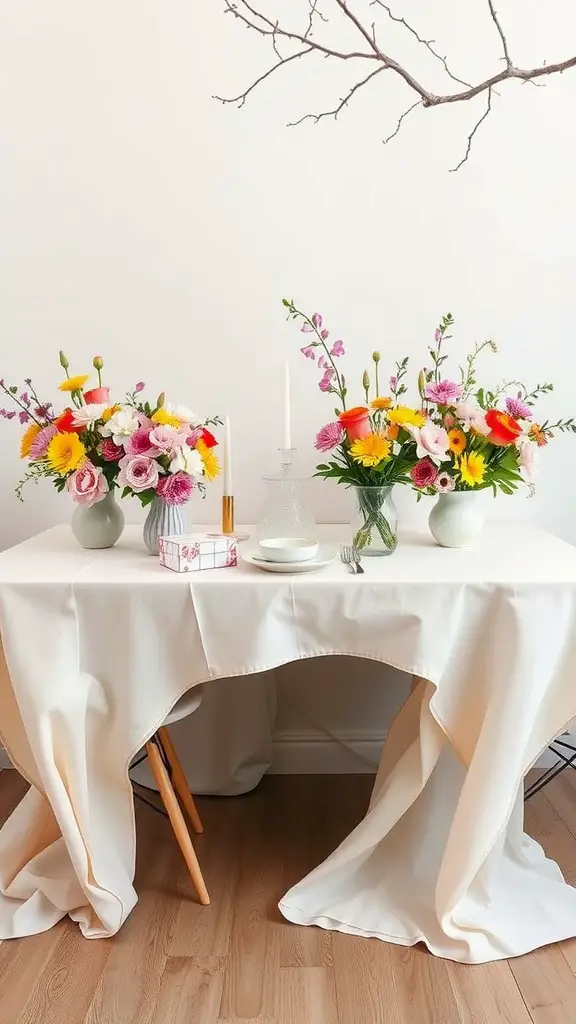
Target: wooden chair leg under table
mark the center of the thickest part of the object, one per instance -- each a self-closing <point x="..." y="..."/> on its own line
<point x="177" y="819"/>
<point x="179" y="779"/>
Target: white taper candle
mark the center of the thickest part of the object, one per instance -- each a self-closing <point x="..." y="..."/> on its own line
<point x="227" y="459"/>
<point x="287" y="438"/>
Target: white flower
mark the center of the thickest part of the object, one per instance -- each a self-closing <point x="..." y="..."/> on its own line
<point x="472" y="415"/>
<point x="88" y="414"/>
<point x="527" y="458"/>
<point x="187" y="460"/>
<point x="121" y="425"/>
<point x="182" y="413"/>
<point x="431" y="441"/>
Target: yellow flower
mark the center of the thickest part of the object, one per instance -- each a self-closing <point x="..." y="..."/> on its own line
<point x="28" y="438"/>
<point x="456" y="441"/>
<point x="209" y="459"/>
<point x="371" y="450"/>
<point x="109" y="412"/>
<point x="166" y="419"/>
<point x="74" y="383"/>
<point x="65" y="453"/>
<point x="381" y="403"/>
<point x="403" y="415"/>
<point x="472" y="468"/>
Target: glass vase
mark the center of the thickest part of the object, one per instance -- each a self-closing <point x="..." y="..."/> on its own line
<point x="374" y="526"/>
<point x="286" y="511"/>
<point x="163" y="520"/>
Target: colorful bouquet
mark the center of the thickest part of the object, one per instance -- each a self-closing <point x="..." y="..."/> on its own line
<point x="94" y="445"/>
<point x="473" y="438"/>
<point x="372" y="446"/>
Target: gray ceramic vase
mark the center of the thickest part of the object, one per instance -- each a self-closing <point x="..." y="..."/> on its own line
<point x="99" y="526"/>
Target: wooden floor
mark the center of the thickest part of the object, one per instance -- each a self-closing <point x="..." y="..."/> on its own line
<point x="237" y="961"/>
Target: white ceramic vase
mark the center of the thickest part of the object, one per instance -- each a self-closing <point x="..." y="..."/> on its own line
<point x="99" y="526"/>
<point x="457" y="519"/>
<point x="163" y="520"/>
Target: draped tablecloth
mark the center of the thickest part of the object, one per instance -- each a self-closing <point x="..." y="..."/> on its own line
<point x="99" y="645"/>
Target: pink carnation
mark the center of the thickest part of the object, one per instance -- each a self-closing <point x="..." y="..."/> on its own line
<point x="87" y="485"/>
<point x="329" y="437"/>
<point x="140" y="444"/>
<point x="111" y="451"/>
<point x="39" y="446"/>
<point x="424" y="474"/>
<point x="138" y="473"/>
<point x="518" y="409"/>
<point x="445" y="392"/>
<point x="176" y="488"/>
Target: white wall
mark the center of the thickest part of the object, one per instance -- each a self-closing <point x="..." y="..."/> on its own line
<point x="146" y="222"/>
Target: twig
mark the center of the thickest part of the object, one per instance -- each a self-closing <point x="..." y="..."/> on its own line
<point x="496" y="21"/>
<point x="389" y="138"/>
<point x="343" y="102"/>
<point x="240" y="100"/>
<point x="473" y="133"/>
<point x="313" y="13"/>
<point x="425" y="42"/>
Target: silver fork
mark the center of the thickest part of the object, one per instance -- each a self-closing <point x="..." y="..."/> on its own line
<point x="346" y="554"/>
<point x="356" y="559"/>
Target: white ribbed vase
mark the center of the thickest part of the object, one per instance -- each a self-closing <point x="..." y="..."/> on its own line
<point x="457" y="519"/>
<point x="163" y="520"/>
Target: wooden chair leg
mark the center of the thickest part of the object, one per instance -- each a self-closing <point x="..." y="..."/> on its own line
<point x="179" y="779"/>
<point x="177" y="820"/>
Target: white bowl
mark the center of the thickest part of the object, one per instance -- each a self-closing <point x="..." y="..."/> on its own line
<point x="288" y="549"/>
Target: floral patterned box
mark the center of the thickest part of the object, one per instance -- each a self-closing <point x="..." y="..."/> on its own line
<point x="195" y="551"/>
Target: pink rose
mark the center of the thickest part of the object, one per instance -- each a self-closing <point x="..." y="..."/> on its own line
<point x="140" y="444"/>
<point x="138" y="473"/>
<point x="87" y="485"/>
<point x="167" y="439"/>
<point x="97" y="396"/>
<point x="431" y="441"/>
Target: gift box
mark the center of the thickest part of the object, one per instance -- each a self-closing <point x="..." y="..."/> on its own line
<point x="195" y="551"/>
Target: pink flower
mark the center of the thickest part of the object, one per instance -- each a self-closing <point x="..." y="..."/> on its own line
<point x="97" y="396"/>
<point x="437" y="335"/>
<point x="23" y="417"/>
<point x="472" y="415"/>
<point x="337" y="349"/>
<point x="109" y="450"/>
<point x="324" y="335"/>
<point x="167" y="439"/>
<point x="176" y="488"/>
<point x="326" y="383"/>
<point x="138" y="473"/>
<point x="140" y="444"/>
<point x="446" y="392"/>
<point x="527" y="458"/>
<point x="306" y="328"/>
<point x="448" y="420"/>
<point x="431" y="441"/>
<point x="194" y="437"/>
<point x="518" y="409"/>
<point x="329" y="437"/>
<point x="39" y="446"/>
<point x="424" y="474"/>
<point x="308" y="351"/>
<point x="323" y="363"/>
<point x="444" y="483"/>
<point x="139" y="387"/>
<point x="317" y="320"/>
<point x="87" y="485"/>
<point x="393" y="383"/>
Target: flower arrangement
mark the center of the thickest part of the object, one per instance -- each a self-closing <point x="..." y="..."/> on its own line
<point x="95" y="445"/>
<point x="371" y="445"/>
<point x="473" y="438"/>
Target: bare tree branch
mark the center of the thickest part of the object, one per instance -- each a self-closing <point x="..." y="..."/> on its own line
<point x="496" y="21"/>
<point x="343" y="102"/>
<point x="393" y="135"/>
<point x="425" y="42"/>
<point x="306" y="41"/>
<point x="473" y="133"/>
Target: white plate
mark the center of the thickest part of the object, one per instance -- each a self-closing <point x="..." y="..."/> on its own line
<point x="326" y="553"/>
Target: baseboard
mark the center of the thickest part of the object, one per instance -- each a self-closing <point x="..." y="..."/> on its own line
<point x="316" y="753"/>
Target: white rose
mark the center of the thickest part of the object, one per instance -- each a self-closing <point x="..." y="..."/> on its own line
<point x="187" y="460"/>
<point x="121" y="425"/>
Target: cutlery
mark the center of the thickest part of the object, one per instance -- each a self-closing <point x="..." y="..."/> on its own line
<point x="357" y="560"/>
<point x="348" y="558"/>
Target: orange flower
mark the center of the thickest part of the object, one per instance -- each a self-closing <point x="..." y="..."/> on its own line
<point x="28" y="438"/>
<point x="65" y="423"/>
<point x="538" y="435"/>
<point x="356" y="422"/>
<point x="456" y="441"/>
<point x="381" y="403"/>
<point x="503" y="428"/>
<point x="392" y="431"/>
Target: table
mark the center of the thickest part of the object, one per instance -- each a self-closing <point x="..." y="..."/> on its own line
<point x="99" y="645"/>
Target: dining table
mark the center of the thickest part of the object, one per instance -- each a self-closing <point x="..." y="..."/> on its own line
<point x="98" y="645"/>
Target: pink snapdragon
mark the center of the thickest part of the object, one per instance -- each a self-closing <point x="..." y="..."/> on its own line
<point x="138" y="473"/>
<point x="337" y="349"/>
<point x="308" y="351"/>
<point x="325" y="384"/>
<point x="445" y="392"/>
<point x="87" y="485"/>
<point x="176" y="488"/>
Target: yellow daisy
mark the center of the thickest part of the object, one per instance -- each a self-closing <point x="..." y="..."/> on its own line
<point x="28" y="438"/>
<point x="472" y="468"/>
<point x="65" y="453"/>
<point x="109" y="412"/>
<point x="402" y="415"/>
<point x="166" y="419"/>
<point x="74" y="383"/>
<point x="381" y="403"/>
<point x="371" y="450"/>
<point x="456" y="441"/>
<point x="209" y="459"/>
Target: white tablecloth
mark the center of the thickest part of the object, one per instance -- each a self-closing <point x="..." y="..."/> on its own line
<point x="99" y="646"/>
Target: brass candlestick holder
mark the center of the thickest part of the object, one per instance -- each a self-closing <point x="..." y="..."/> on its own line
<point x="228" y="525"/>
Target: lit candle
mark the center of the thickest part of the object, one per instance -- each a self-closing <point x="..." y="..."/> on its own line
<point x="286" y="440"/>
<point x="227" y="458"/>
